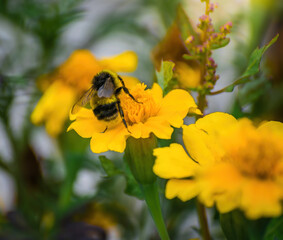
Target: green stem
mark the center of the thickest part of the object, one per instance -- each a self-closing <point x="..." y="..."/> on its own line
<point x="73" y="165"/>
<point x="151" y="196"/>
<point x="202" y="104"/>
<point x="203" y="221"/>
<point x="200" y="207"/>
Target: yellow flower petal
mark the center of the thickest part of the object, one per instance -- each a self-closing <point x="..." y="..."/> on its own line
<point x="199" y="145"/>
<point x="175" y="106"/>
<point x="55" y="123"/>
<point x="183" y="189"/>
<point x="189" y="77"/>
<point x="113" y="139"/>
<point x="157" y="93"/>
<point x="159" y="127"/>
<point x="124" y="62"/>
<point x="201" y="140"/>
<point x="78" y="70"/>
<point x="262" y="199"/>
<point x="130" y="82"/>
<point x="228" y="202"/>
<point x="272" y="127"/>
<point x="173" y="162"/>
<point x="216" y="122"/>
<point x="156" y="125"/>
<point x="86" y="123"/>
<point x="137" y="130"/>
<point x="53" y="107"/>
<point x="221" y="184"/>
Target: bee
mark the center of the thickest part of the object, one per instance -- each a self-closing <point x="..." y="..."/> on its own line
<point x="103" y="97"/>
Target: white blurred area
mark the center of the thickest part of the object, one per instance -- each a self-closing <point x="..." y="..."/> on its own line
<point x="115" y="43"/>
<point x="7" y="192"/>
<point x="86" y="183"/>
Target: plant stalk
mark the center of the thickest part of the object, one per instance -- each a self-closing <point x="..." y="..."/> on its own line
<point x="203" y="221"/>
<point x="200" y="207"/>
<point x="151" y="196"/>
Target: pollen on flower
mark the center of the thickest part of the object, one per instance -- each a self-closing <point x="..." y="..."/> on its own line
<point x="144" y="108"/>
<point x="256" y="154"/>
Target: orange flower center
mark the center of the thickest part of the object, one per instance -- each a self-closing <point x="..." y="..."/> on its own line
<point x="254" y="153"/>
<point x="141" y="110"/>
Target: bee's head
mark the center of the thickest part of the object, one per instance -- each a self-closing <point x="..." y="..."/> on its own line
<point x="100" y="79"/>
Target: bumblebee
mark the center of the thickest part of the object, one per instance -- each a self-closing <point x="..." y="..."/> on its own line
<point x="103" y="97"/>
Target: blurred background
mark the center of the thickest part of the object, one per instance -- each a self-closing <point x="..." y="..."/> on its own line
<point x="56" y="188"/>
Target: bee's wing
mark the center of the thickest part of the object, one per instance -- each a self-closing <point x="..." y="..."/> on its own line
<point x="106" y="90"/>
<point x="84" y="99"/>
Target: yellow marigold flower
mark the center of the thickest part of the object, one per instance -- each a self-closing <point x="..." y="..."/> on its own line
<point x="153" y="114"/>
<point x="63" y="86"/>
<point x="232" y="163"/>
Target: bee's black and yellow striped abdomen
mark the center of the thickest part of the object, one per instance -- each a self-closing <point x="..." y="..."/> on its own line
<point x="106" y="112"/>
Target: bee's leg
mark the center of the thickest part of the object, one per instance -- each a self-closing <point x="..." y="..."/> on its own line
<point x="126" y="90"/>
<point x="118" y="90"/>
<point x="121" y="80"/>
<point x="122" y="115"/>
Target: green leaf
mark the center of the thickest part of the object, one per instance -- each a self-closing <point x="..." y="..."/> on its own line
<point x="252" y="69"/>
<point x="229" y="88"/>
<point x="222" y="43"/>
<point x="274" y="229"/>
<point x="232" y="224"/>
<point x="165" y="74"/>
<point x="190" y="57"/>
<point x="236" y="226"/>
<point x="252" y="90"/>
<point x="255" y="58"/>
<point x="73" y="164"/>
<point x="236" y="109"/>
<point x="109" y="167"/>
<point x="132" y="186"/>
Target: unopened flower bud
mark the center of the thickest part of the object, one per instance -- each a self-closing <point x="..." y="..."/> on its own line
<point x="139" y="155"/>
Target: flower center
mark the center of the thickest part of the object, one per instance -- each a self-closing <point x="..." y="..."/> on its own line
<point x="140" y="111"/>
<point x="254" y="153"/>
